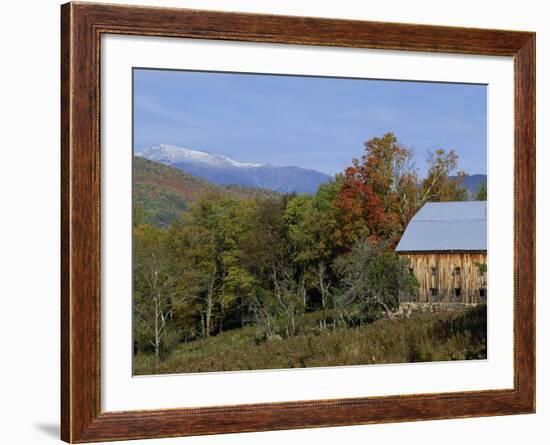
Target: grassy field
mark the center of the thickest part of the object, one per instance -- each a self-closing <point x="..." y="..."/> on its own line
<point x="440" y="336"/>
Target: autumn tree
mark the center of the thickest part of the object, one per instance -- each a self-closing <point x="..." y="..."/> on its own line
<point x="438" y="185"/>
<point x="358" y="212"/>
<point x="387" y="170"/>
<point x="386" y="181"/>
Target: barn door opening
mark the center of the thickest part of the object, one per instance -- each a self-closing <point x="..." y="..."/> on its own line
<point x="457" y="284"/>
<point x="434" y="284"/>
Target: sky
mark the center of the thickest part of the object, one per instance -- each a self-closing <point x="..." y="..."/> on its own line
<point x="311" y="122"/>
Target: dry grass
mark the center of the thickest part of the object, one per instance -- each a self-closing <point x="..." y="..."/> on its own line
<point x="442" y="336"/>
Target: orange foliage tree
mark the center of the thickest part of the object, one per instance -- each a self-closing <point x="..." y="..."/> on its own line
<point x="382" y="190"/>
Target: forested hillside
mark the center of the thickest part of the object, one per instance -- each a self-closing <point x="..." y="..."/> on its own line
<point x="162" y="193"/>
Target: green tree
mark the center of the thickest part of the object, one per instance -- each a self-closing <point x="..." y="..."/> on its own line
<point x="370" y="279"/>
<point x="234" y="221"/>
<point x="481" y="193"/>
<point x="211" y="257"/>
<point x="311" y="223"/>
<point x="269" y="253"/>
<point x="155" y="291"/>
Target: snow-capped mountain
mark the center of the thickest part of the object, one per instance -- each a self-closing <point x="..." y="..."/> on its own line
<point x="170" y="154"/>
<point x="220" y="169"/>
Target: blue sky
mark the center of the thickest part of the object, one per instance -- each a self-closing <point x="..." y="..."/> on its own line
<point x="310" y="122"/>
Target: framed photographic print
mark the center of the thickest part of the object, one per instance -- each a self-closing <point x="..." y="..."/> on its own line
<point x="274" y="222"/>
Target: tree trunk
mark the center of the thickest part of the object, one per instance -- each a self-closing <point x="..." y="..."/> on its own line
<point x="208" y="317"/>
<point x="389" y="313"/>
<point x="157" y="332"/>
<point x="221" y="319"/>
<point x="324" y="292"/>
<point x="210" y="304"/>
<point x="242" y="316"/>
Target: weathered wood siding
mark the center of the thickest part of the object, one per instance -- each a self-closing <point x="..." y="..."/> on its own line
<point x="448" y="276"/>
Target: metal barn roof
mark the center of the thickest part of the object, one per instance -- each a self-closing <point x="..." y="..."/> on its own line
<point x="447" y="226"/>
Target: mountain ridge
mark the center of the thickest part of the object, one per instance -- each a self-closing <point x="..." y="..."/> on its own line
<point x="173" y="154"/>
<point x="223" y="170"/>
<point x="472" y="182"/>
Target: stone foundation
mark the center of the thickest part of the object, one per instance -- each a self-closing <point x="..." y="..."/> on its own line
<point x="406" y="309"/>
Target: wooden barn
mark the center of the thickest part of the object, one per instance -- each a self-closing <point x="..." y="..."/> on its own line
<point x="446" y="245"/>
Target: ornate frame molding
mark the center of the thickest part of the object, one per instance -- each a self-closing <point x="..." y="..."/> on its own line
<point x="82" y="25"/>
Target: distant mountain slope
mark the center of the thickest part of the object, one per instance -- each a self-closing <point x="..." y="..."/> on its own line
<point x="220" y="169"/>
<point x="472" y="182"/>
<point x="162" y="193"/>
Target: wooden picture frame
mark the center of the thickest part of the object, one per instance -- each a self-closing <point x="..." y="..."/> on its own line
<point x="82" y="25"/>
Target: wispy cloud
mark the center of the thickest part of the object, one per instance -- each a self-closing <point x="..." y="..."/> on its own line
<point x="149" y="105"/>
